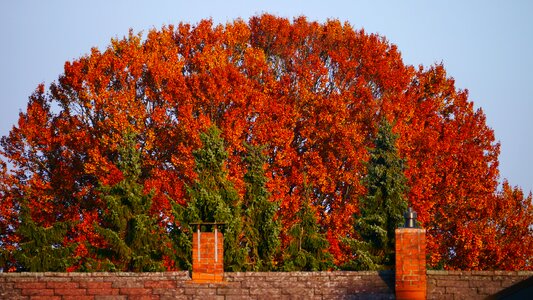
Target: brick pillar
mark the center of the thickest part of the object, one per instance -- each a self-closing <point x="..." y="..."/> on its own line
<point x="410" y="263"/>
<point x="208" y="256"/>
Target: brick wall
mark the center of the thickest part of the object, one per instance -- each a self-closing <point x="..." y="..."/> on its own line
<point x="81" y="286"/>
<point x="292" y="285"/>
<point x="410" y="263"/>
<point x="178" y="285"/>
<point x="471" y="284"/>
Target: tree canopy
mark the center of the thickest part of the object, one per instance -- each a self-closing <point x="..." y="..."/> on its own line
<point x="261" y="228"/>
<point x="213" y="198"/>
<point x="381" y="209"/>
<point x="132" y="239"/>
<point x="312" y="94"/>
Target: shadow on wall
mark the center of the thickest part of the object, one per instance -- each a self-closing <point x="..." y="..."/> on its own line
<point x="519" y="291"/>
<point x="388" y="278"/>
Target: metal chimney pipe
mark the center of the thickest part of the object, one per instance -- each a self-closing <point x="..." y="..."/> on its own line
<point x="410" y="218"/>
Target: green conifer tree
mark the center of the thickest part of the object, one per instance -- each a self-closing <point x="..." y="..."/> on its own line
<point x="136" y="241"/>
<point x="381" y="210"/>
<point x="308" y="248"/>
<point x="41" y="248"/>
<point x="213" y="198"/>
<point x="261" y="230"/>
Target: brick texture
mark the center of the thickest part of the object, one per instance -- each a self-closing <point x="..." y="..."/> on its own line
<point x="249" y="285"/>
<point x="410" y="263"/>
<point x="208" y="257"/>
<point x="471" y="284"/>
<point x="93" y="286"/>
<point x="178" y="285"/>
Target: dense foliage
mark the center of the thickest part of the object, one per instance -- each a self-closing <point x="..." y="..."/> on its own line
<point x="41" y="249"/>
<point x="132" y="239"/>
<point x="382" y="208"/>
<point x="213" y="198"/>
<point x="261" y="228"/>
<point x="307" y="249"/>
<point x="311" y="94"/>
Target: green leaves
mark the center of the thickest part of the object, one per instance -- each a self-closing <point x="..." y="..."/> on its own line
<point x="260" y="229"/>
<point x="313" y="94"/>
<point x="381" y="210"/>
<point x="42" y="249"/>
<point x="308" y="247"/>
<point x="213" y="198"/>
<point x="133" y="237"/>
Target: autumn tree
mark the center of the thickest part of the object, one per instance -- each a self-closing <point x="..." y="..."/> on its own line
<point x="511" y="227"/>
<point x="7" y="245"/>
<point x="382" y="208"/>
<point x="307" y="250"/>
<point x="42" y="248"/>
<point x="450" y="153"/>
<point x="37" y="224"/>
<point x="134" y="240"/>
<point x="260" y="228"/>
<point x="213" y="198"/>
<point x="313" y="93"/>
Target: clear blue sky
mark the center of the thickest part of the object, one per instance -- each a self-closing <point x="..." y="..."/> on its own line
<point x="487" y="46"/>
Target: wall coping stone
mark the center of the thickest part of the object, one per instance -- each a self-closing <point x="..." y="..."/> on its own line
<point x="182" y="274"/>
<point x="480" y="273"/>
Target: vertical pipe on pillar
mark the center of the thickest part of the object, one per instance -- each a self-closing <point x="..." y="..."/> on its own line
<point x="199" y="239"/>
<point x="410" y="260"/>
<point x="216" y="243"/>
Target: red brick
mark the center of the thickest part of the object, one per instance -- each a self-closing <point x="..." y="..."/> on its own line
<point x="330" y="291"/>
<point x="201" y="292"/>
<point x="45" y="298"/>
<point x="102" y="292"/>
<point x="143" y="297"/>
<point x="160" y="284"/>
<point x="489" y="290"/>
<point x="70" y="292"/>
<point x="96" y="284"/>
<point x="37" y="292"/>
<point x="168" y="292"/>
<point x="207" y="263"/>
<point x="78" y="298"/>
<point x="114" y="297"/>
<point x="135" y="291"/>
<point x="229" y="290"/>
<point x="410" y="294"/>
<point x="453" y="283"/>
<point x="411" y="278"/>
<point x="265" y="291"/>
<point x="463" y="292"/>
<point x="30" y="285"/>
<point x="62" y="285"/>
<point x="305" y="293"/>
<point x="410" y="264"/>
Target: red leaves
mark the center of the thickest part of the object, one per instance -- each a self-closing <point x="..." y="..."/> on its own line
<point x="511" y="230"/>
<point x="312" y="93"/>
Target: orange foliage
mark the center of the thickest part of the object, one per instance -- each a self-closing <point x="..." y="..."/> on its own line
<point x="313" y="93"/>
